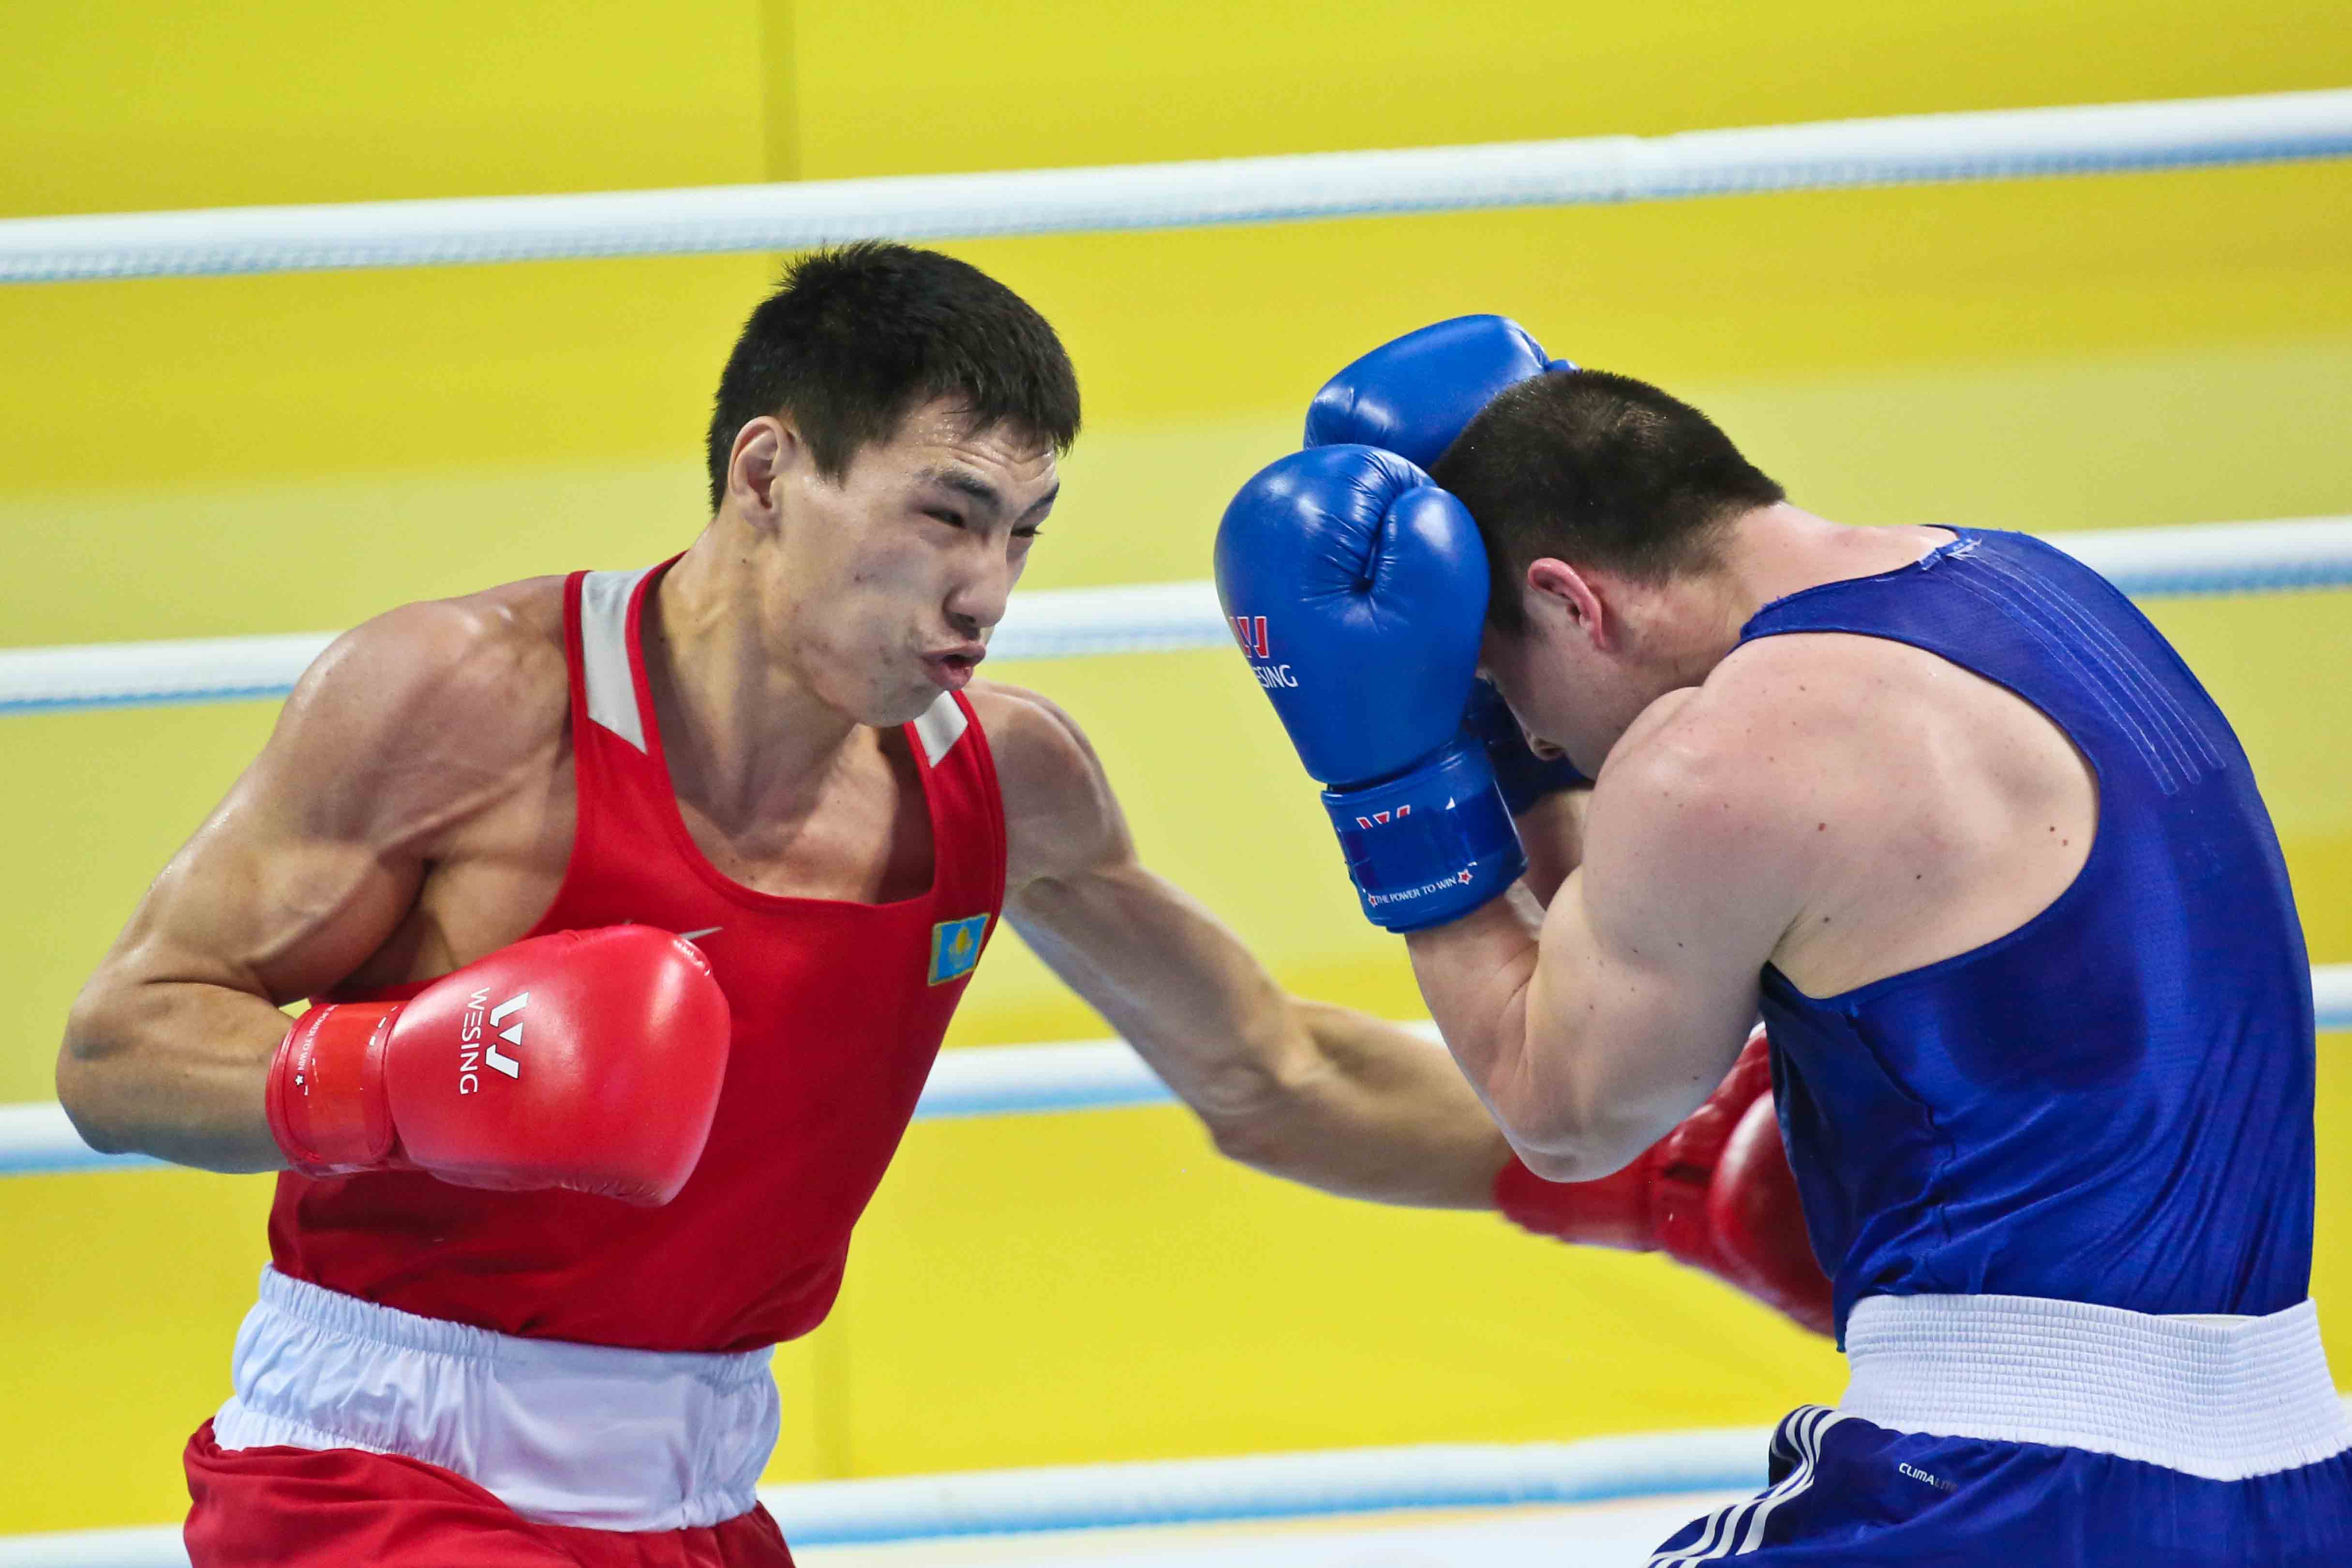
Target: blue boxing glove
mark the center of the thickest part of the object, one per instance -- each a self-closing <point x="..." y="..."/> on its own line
<point x="1359" y="591"/>
<point x="1413" y="396"/>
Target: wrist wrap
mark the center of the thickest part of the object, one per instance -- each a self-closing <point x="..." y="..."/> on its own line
<point x="1430" y="844"/>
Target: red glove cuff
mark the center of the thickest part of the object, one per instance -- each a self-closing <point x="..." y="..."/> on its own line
<point x="326" y="1100"/>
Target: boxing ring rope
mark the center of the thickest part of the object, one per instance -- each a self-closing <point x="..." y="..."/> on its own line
<point x="1838" y="155"/>
<point x="1179" y="1492"/>
<point x="1150" y="618"/>
<point x="1087" y="1075"/>
<point x="974" y="1080"/>
<point x="816" y="1514"/>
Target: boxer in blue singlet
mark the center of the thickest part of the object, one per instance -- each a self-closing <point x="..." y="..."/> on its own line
<point x="1949" y="812"/>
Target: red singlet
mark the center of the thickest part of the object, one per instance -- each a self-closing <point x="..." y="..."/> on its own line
<point x="838" y="1007"/>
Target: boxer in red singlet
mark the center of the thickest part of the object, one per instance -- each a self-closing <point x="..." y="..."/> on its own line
<point x="635" y="904"/>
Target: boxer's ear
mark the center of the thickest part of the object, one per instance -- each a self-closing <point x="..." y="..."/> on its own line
<point x="1575" y="599"/>
<point x="766" y="450"/>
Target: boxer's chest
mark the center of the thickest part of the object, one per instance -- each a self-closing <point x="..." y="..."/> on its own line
<point x="863" y="837"/>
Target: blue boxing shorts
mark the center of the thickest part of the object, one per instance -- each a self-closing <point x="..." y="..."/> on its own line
<point x="2019" y="1433"/>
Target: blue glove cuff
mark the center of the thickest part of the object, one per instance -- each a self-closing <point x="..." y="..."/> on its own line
<point x="1430" y="844"/>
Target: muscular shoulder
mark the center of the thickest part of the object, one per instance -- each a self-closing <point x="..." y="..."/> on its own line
<point x="423" y="704"/>
<point x="1796" y="753"/>
<point x="1832" y="713"/>
<point x="1769" y="692"/>
<point x="1736" y="774"/>
<point x="448" y="663"/>
<point x="1059" y="812"/>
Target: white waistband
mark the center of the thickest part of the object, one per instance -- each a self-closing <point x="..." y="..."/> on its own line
<point x="2222" y="1397"/>
<point x="563" y="1434"/>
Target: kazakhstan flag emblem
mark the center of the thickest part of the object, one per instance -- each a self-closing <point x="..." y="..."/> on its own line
<point x="955" y="948"/>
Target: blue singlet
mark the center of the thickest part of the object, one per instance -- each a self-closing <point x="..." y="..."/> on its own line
<point x="2067" y="1176"/>
<point x="2112" y="1103"/>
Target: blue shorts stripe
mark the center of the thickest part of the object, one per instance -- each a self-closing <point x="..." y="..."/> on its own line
<point x="1847" y="1493"/>
<point x="1739" y="1529"/>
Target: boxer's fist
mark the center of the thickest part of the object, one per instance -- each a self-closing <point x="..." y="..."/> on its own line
<point x="1758" y="1224"/>
<point x="1357" y="589"/>
<point x="587" y="1059"/>
<point x="1716" y="1193"/>
<point x="1370" y="583"/>
<point x="1413" y="396"/>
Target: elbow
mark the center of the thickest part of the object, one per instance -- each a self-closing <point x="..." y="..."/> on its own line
<point x="1571" y="1162"/>
<point x="87" y="1079"/>
<point x="1269" y="1105"/>
<point x="1246" y="1113"/>
<point x="1251" y="1100"/>
<point x="1261" y="1113"/>
<point x="1257" y="1138"/>
<point x="101" y="1135"/>
<point x="1559" y="1144"/>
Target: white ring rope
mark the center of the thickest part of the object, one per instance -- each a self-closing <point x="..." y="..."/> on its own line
<point x="1152" y="617"/>
<point x="2203" y="558"/>
<point x="36" y="1139"/>
<point x="1175" y="1491"/>
<point x="1904" y="150"/>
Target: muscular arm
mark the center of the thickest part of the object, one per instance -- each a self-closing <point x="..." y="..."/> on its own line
<point x="1592" y="1027"/>
<point x="1319" y="1094"/>
<point x="400" y="731"/>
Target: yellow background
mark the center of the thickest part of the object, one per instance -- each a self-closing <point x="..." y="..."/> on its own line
<point x="205" y="456"/>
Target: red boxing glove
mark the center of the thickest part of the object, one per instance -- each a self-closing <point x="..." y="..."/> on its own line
<point x="1716" y="1193"/>
<point x="586" y="1059"/>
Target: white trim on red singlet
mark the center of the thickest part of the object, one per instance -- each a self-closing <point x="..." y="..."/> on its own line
<point x="941" y="725"/>
<point x="605" y="652"/>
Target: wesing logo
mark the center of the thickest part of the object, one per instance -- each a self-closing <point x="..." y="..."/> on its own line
<point x="475" y="1052"/>
<point x="1251" y="631"/>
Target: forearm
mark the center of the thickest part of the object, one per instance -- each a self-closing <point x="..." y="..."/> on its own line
<point x="1584" y="1056"/>
<point x="172" y="1069"/>
<point x="1475" y="973"/>
<point x="1368" y="1109"/>
<point x="1316" y="1094"/>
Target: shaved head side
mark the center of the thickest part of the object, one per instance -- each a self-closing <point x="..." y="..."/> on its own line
<point x="1597" y="470"/>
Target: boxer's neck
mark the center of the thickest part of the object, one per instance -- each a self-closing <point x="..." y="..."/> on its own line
<point x="746" y="731"/>
<point x="1672" y="635"/>
<point x="1776" y="550"/>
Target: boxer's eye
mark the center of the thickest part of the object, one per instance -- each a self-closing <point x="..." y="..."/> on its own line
<point x="952" y="518"/>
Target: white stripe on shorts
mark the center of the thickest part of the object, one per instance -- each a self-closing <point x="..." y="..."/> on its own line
<point x="1739" y="1529"/>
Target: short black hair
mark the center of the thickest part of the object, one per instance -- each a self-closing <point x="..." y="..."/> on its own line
<point x="857" y="336"/>
<point x="1599" y="469"/>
